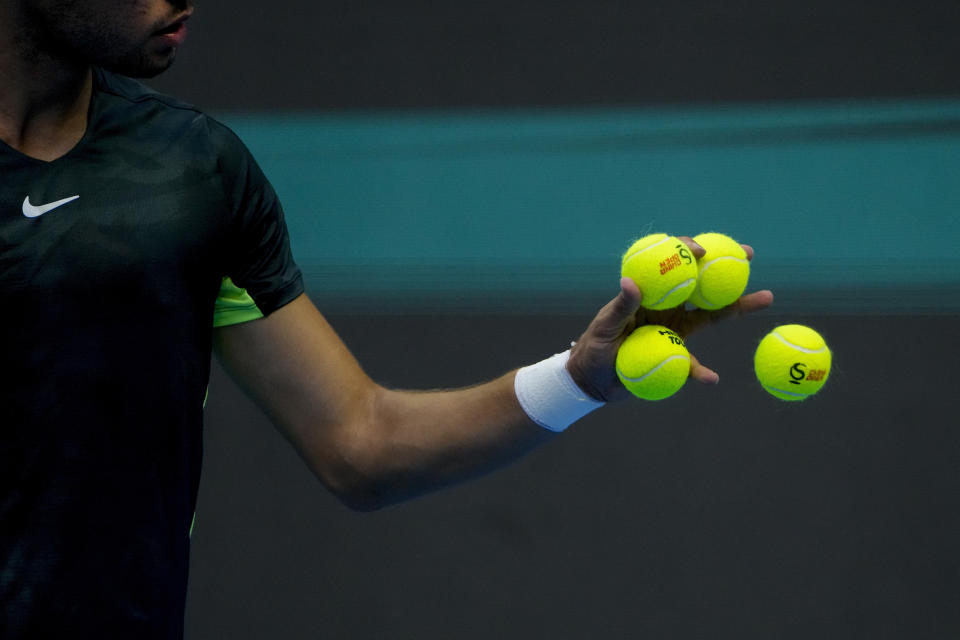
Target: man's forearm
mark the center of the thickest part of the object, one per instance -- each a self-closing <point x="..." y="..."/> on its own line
<point x="416" y="442"/>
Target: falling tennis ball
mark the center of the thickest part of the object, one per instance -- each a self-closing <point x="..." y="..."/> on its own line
<point x="663" y="268"/>
<point x="792" y="362"/>
<point x="723" y="271"/>
<point x="653" y="363"/>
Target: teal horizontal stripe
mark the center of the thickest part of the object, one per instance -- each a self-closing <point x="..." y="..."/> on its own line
<point x="464" y="287"/>
<point x="457" y="208"/>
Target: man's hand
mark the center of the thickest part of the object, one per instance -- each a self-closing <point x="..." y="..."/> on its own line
<point x="593" y="357"/>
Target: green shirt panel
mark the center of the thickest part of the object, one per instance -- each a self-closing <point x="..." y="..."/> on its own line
<point x="234" y="306"/>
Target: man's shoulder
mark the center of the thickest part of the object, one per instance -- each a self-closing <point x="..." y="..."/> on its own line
<point x="130" y="103"/>
<point x="134" y="92"/>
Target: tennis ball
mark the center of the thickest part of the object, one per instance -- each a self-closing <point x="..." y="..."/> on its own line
<point x="653" y="362"/>
<point x="663" y="268"/>
<point x="723" y="271"/>
<point x="792" y="362"/>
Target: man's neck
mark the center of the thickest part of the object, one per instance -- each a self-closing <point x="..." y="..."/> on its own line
<point x="45" y="102"/>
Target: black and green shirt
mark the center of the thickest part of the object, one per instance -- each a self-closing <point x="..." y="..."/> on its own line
<point x="111" y="261"/>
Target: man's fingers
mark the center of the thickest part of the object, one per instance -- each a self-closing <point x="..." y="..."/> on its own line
<point x="699" y="251"/>
<point x="630" y="296"/>
<point x="701" y="373"/>
<point x="696" y="248"/>
<point x="752" y="302"/>
<point x="746" y="304"/>
<point x="611" y="322"/>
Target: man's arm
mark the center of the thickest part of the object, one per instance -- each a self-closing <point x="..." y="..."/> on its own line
<point x="368" y="444"/>
<point x="373" y="446"/>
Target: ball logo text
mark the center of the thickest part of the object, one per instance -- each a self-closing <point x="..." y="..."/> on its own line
<point x="798" y="374"/>
<point x="682" y="256"/>
<point x="672" y="337"/>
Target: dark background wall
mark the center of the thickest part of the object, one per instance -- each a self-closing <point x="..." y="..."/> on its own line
<point x="719" y="513"/>
<point x="419" y="53"/>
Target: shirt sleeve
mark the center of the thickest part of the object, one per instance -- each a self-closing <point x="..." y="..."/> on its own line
<point x="258" y="258"/>
<point x="234" y="305"/>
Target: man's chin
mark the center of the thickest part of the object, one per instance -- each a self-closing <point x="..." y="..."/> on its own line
<point x="144" y="67"/>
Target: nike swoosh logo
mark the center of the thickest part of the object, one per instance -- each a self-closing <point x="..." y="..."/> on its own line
<point x="34" y="211"/>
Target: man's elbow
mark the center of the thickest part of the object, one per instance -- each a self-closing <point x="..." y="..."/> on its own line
<point x="363" y="463"/>
<point x="357" y="476"/>
<point x="362" y="496"/>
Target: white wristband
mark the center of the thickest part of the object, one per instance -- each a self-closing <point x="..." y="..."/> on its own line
<point x="549" y="395"/>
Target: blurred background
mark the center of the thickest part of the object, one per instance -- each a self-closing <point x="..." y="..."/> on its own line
<point x="460" y="181"/>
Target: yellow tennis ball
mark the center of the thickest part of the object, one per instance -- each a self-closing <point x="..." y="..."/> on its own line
<point x="663" y="268"/>
<point x="653" y="363"/>
<point x="723" y="271"/>
<point x="792" y="362"/>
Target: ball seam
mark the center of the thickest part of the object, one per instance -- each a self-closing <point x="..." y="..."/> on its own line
<point x="796" y="346"/>
<point x="786" y="393"/>
<point x="652" y="371"/>
<point x="649" y="246"/>
<point x="685" y="283"/>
